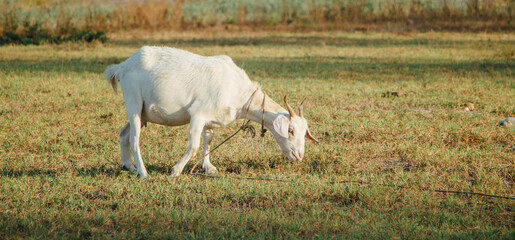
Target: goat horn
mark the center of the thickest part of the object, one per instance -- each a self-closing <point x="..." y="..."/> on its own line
<point x="301" y="108"/>
<point x="290" y="110"/>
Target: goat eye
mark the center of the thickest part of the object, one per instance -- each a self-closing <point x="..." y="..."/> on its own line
<point x="290" y="130"/>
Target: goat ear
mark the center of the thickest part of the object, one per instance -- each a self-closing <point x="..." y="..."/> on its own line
<point x="308" y="134"/>
<point x="281" y="125"/>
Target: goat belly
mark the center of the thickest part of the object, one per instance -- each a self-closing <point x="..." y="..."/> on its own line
<point x="153" y="113"/>
<point x="222" y="117"/>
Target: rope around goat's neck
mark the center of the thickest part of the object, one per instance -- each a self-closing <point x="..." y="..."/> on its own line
<point x="263" y="130"/>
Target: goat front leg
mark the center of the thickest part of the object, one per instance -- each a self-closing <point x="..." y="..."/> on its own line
<point x="206" y="164"/>
<point x="195" y="132"/>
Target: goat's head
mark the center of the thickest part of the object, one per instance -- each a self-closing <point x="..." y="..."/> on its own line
<point x="289" y="132"/>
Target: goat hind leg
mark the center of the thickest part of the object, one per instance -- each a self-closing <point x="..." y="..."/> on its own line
<point x="135" y="132"/>
<point x="125" y="148"/>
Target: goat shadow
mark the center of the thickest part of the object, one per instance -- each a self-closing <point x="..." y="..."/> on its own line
<point x="111" y="170"/>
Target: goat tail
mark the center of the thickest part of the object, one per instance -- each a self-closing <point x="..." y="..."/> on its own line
<point x="112" y="75"/>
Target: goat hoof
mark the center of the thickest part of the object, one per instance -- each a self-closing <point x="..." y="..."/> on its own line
<point x="211" y="170"/>
<point x="129" y="168"/>
<point x="143" y="176"/>
<point x="175" y="173"/>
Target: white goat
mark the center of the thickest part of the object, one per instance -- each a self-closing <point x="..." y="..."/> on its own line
<point x="174" y="87"/>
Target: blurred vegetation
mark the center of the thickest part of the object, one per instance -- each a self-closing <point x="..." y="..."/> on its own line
<point x="387" y="15"/>
<point x="34" y="34"/>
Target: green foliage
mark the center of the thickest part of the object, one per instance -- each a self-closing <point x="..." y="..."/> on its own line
<point x="84" y="35"/>
<point x="34" y="34"/>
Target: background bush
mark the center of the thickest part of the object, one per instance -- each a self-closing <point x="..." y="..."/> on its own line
<point x="34" y="34"/>
<point x="56" y="15"/>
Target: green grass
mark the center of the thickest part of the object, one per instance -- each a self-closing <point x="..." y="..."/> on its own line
<point x="60" y="175"/>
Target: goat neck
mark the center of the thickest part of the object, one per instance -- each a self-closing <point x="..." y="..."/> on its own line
<point x="255" y="111"/>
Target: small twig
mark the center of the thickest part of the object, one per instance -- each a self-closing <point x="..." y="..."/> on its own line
<point x="62" y="70"/>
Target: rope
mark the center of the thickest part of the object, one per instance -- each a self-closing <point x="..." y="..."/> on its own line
<point x="243" y="178"/>
<point x="263" y="130"/>
<point x="246" y="126"/>
<point x="361" y="182"/>
<point x="428" y="189"/>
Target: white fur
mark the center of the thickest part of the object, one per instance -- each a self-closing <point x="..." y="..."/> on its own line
<point x="174" y="87"/>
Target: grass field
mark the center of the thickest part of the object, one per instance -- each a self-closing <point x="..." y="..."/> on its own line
<point x="60" y="175"/>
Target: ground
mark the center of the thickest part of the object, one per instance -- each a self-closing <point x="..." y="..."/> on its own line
<point x="387" y="108"/>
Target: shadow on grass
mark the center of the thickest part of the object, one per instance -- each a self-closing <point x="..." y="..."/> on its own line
<point x="78" y="224"/>
<point x="306" y="41"/>
<point x="91" y="171"/>
<point x="21" y="66"/>
<point x="116" y="170"/>
<point x="325" y="68"/>
<point x="291" y="68"/>
<point x="12" y="173"/>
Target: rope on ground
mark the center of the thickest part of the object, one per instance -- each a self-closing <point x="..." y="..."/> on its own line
<point x="428" y="189"/>
<point x="242" y="178"/>
<point x="361" y="182"/>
